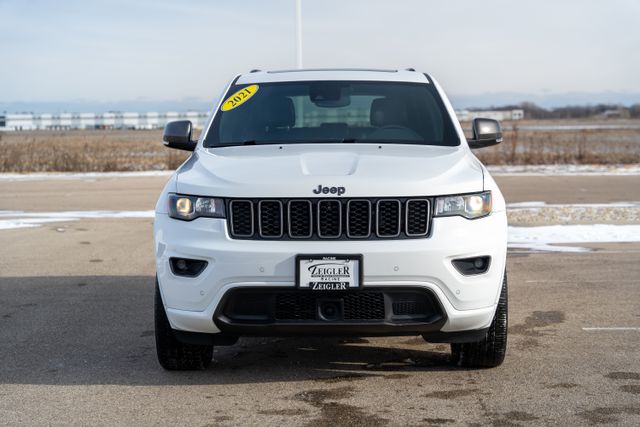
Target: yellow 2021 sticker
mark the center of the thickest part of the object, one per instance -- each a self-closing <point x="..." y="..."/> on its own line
<point x="239" y="98"/>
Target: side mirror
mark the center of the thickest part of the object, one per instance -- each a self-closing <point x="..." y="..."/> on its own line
<point x="178" y="135"/>
<point x="486" y="132"/>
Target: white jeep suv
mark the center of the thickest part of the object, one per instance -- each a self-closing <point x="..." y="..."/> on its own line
<point x="331" y="202"/>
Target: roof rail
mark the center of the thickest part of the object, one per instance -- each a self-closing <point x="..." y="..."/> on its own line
<point x="255" y="70"/>
<point x="409" y="69"/>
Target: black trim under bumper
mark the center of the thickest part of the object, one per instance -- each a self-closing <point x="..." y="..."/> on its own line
<point x="458" y="337"/>
<point x="323" y="329"/>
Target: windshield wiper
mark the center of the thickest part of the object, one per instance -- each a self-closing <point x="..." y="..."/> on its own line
<point x="238" y="144"/>
<point x="273" y="142"/>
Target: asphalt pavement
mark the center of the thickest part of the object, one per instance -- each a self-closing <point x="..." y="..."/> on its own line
<point x="77" y="346"/>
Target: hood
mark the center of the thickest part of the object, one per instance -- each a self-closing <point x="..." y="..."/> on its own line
<point x="367" y="170"/>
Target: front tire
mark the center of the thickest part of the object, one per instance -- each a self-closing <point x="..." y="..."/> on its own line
<point x="490" y="351"/>
<point x="172" y="354"/>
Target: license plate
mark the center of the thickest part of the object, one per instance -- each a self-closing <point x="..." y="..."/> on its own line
<point x="329" y="272"/>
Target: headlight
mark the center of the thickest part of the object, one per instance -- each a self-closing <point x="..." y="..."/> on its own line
<point x="191" y="207"/>
<point x="469" y="206"/>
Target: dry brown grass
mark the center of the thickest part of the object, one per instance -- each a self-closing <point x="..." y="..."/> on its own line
<point x="86" y="151"/>
<point x="127" y="150"/>
<point x="538" y="147"/>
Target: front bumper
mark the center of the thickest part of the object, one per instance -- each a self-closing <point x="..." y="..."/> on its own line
<point x="467" y="302"/>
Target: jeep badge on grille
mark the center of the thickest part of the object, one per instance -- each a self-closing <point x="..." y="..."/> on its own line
<point x="326" y="190"/>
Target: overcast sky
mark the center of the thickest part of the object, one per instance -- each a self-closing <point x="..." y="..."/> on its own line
<point x="170" y="50"/>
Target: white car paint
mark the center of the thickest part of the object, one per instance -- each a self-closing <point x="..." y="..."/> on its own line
<point x="365" y="170"/>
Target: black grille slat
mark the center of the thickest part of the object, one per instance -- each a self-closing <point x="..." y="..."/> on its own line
<point x="241" y="218"/>
<point x="360" y="305"/>
<point x="364" y="306"/>
<point x="330" y="219"/>
<point x="270" y="223"/>
<point x="388" y="218"/>
<point x="295" y="306"/>
<point x="300" y="219"/>
<point x="417" y="217"/>
<point x="407" y="308"/>
<point x="358" y="218"/>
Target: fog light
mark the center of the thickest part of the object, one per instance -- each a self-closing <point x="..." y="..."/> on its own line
<point x="187" y="267"/>
<point x="181" y="265"/>
<point x="471" y="266"/>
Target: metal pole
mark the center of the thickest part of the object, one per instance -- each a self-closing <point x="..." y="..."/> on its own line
<point x="299" y="33"/>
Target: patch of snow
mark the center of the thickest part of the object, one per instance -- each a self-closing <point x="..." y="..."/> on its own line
<point x="544" y="247"/>
<point x="543" y="237"/>
<point x="36" y="219"/>
<point x="8" y="224"/>
<point x="79" y="214"/>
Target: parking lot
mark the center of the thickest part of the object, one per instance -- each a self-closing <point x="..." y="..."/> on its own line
<point x="77" y="345"/>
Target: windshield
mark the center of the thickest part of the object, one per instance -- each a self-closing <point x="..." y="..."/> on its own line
<point x="332" y="111"/>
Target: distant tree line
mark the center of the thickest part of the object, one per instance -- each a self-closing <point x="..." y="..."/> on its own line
<point x="533" y="111"/>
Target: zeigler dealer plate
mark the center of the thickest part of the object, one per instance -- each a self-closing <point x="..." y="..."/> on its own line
<point x="329" y="272"/>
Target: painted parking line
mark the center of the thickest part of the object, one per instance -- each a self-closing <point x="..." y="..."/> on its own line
<point x="614" y="328"/>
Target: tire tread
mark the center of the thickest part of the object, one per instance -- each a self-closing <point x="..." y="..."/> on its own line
<point x="172" y="354"/>
<point x="490" y="351"/>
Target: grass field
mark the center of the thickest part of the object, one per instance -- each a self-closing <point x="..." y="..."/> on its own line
<point x="612" y="143"/>
<point x="138" y="150"/>
<point x="86" y="151"/>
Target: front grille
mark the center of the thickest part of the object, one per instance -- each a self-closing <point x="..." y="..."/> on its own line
<point x="300" y="216"/>
<point x="388" y="218"/>
<point x="358" y="218"/>
<point x="329" y="219"/>
<point x="279" y="305"/>
<point x="303" y="305"/>
<point x="270" y="218"/>
<point x="364" y="306"/>
<point x="408" y="307"/>
<point x="295" y="306"/>
<point x="241" y="218"/>
<point x="417" y="217"/>
<point x="411" y="304"/>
